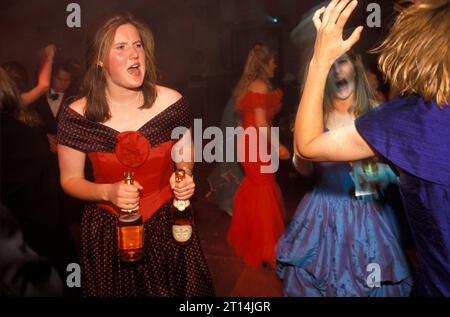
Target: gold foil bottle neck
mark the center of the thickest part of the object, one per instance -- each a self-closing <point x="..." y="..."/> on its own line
<point x="179" y="175"/>
<point x="128" y="177"/>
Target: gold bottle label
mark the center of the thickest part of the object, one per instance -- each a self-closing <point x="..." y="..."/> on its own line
<point x="182" y="233"/>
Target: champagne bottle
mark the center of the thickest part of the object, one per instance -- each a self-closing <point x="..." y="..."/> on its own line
<point x="182" y="216"/>
<point x="130" y="231"/>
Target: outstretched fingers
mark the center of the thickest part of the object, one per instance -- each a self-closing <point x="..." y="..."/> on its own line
<point x="344" y="15"/>
<point x="328" y="11"/>
<point x="334" y="14"/>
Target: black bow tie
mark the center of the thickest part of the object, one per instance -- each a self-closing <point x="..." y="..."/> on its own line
<point x="54" y="97"/>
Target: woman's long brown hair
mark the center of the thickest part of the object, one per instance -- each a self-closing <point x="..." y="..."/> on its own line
<point x="365" y="97"/>
<point x="97" y="50"/>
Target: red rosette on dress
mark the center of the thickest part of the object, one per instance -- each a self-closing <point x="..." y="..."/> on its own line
<point x="132" y="149"/>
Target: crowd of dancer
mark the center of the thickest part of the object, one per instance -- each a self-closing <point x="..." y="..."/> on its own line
<point x="62" y="184"/>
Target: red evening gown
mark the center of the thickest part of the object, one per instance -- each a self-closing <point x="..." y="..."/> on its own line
<point x="167" y="269"/>
<point x="257" y="221"/>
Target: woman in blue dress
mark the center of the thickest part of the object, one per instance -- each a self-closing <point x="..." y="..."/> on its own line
<point x="335" y="239"/>
<point x="411" y="131"/>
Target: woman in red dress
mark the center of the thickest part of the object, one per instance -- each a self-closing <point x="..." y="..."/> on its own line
<point x="124" y="123"/>
<point x="258" y="207"/>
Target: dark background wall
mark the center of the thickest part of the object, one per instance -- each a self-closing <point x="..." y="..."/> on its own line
<point x="201" y="45"/>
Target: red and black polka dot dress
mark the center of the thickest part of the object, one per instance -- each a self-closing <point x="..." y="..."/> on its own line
<point x="167" y="269"/>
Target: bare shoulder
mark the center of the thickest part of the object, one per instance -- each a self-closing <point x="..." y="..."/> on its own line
<point x="259" y="86"/>
<point x="79" y="105"/>
<point x="167" y="96"/>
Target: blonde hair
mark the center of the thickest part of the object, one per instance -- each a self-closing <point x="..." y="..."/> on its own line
<point x="255" y="69"/>
<point x="365" y="97"/>
<point x="415" y="56"/>
<point x="99" y="45"/>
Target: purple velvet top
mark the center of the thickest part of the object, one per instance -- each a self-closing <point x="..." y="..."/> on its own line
<point x="415" y="136"/>
<point x="412" y="134"/>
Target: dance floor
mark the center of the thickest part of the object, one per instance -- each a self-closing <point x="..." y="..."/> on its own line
<point x="231" y="276"/>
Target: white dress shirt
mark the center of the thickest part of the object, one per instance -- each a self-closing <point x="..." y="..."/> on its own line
<point x="55" y="104"/>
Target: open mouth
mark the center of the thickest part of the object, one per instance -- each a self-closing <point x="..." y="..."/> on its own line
<point x="341" y="84"/>
<point x="134" y="69"/>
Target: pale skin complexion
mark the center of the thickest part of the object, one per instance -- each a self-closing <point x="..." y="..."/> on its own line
<point x="124" y="98"/>
<point x="310" y="141"/>
<point x="260" y="114"/>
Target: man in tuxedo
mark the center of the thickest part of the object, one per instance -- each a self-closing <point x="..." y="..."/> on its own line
<point x="48" y="108"/>
<point x="49" y="105"/>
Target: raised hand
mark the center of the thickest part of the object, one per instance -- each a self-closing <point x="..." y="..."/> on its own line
<point x="329" y="23"/>
<point x="48" y="52"/>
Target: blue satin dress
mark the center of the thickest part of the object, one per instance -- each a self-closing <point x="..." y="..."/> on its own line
<point x="334" y="240"/>
<point x="415" y="136"/>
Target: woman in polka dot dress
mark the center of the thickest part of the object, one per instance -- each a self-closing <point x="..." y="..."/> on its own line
<point x="123" y="110"/>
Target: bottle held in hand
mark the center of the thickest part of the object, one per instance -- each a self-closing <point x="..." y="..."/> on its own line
<point x="182" y="214"/>
<point x="130" y="231"/>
